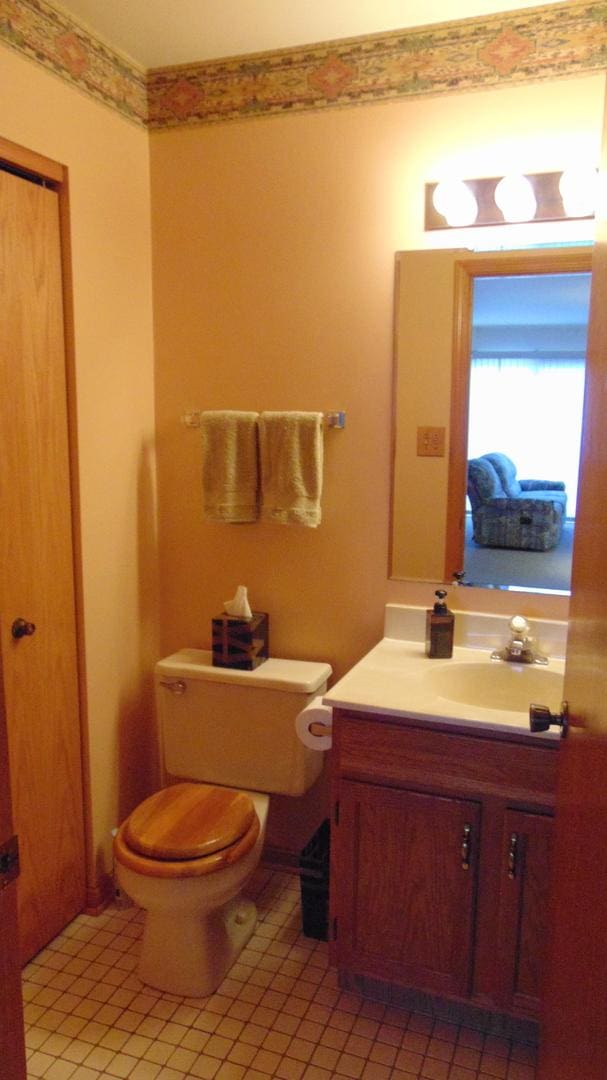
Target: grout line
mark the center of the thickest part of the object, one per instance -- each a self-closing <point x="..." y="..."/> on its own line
<point x="278" y="1013"/>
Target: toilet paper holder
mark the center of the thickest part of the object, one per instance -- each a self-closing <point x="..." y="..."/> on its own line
<point x="318" y="728"/>
<point x="314" y="725"/>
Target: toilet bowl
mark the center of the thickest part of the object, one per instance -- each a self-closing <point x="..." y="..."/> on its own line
<point x="196" y="922"/>
<point x="227" y="742"/>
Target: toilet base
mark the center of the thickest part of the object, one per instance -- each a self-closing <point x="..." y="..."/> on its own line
<point x="190" y="955"/>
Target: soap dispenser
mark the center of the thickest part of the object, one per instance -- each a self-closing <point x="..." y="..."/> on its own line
<point x="440" y="624"/>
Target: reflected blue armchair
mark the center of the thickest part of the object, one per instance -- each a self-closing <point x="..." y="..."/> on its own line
<point x="512" y="513"/>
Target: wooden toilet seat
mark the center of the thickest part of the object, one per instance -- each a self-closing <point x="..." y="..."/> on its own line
<point x="187" y="830"/>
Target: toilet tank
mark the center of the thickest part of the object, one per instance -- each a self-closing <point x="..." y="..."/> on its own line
<point x="237" y="728"/>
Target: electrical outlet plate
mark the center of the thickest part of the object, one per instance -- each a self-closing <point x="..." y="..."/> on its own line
<point x="431" y="441"/>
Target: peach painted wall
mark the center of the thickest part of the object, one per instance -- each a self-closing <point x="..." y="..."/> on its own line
<point x="273" y="245"/>
<point x="108" y="166"/>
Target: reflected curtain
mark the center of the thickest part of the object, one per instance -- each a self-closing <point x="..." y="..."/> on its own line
<point x="531" y="410"/>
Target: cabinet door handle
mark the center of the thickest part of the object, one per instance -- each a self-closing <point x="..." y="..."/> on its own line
<point x="466" y="845"/>
<point x="513" y="855"/>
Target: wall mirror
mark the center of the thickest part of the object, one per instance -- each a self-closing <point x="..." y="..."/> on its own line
<point x="489" y="360"/>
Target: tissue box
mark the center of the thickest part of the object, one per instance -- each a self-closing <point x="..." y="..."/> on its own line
<point x="240" y="643"/>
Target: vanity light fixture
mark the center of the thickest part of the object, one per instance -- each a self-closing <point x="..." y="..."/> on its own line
<point x="553" y="196"/>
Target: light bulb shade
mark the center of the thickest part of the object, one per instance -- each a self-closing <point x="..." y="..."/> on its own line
<point x="579" y="188"/>
<point x="533" y="198"/>
<point x="456" y="202"/>
<point x="515" y="197"/>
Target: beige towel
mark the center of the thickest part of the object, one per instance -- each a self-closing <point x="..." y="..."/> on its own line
<point x="230" y="471"/>
<point x="291" y="456"/>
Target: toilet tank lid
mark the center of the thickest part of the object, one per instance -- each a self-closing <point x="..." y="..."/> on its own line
<point x="292" y="676"/>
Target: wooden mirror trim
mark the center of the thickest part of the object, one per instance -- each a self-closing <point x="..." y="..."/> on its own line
<point x="458" y="420"/>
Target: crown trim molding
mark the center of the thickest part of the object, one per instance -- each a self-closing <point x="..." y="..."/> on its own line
<point x="540" y="43"/>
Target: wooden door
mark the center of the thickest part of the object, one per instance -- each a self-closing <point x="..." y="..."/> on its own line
<point x="409" y="886"/>
<point x="524" y="890"/>
<point x="12" y="1049"/>
<point x="37" y="576"/>
<point x="574" y="1033"/>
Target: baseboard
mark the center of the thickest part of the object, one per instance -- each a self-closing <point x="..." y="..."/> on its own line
<point x="99" y="895"/>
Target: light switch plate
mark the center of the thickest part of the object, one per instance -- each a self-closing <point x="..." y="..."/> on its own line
<point x="431" y="441"/>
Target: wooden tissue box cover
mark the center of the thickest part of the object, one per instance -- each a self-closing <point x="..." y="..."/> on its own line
<point x="240" y="643"/>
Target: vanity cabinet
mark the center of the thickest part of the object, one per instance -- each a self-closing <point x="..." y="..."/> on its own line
<point x="440" y="856"/>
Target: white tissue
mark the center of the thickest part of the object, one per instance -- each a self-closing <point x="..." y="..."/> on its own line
<point x="315" y="713"/>
<point x="239" y="604"/>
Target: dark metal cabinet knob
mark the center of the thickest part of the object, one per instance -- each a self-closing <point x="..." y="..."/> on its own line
<point x="22" y="628"/>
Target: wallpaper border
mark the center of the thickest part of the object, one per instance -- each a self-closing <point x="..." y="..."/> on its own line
<point x="49" y="36"/>
<point x="545" y="42"/>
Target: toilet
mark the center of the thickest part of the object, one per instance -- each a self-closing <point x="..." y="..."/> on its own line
<point x="227" y="742"/>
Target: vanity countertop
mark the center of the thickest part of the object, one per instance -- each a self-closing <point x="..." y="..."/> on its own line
<point x="396" y="678"/>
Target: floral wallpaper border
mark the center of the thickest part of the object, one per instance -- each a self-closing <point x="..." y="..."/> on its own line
<point x="537" y="43"/>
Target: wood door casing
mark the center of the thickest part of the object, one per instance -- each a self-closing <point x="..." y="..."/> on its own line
<point x="573" y="1042"/>
<point x="408" y="904"/>
<point x="40" y="672"/>
<point x="574" y="1033"/>
<point x="12" y="1045"/>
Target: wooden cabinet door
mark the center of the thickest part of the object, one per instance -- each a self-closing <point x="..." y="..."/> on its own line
<point x="406" y="878"/>
<point x="523" y="909"/>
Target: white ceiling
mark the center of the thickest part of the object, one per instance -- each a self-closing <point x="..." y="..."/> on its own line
<point x="159" y="33"/>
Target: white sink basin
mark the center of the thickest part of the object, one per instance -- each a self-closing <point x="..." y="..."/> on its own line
<point x="496" y="685"/>
<point x="397" y="678"/>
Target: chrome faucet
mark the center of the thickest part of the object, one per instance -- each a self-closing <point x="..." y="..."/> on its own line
<point x="520" y="649"/>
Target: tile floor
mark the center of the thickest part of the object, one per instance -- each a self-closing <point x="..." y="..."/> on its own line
<point x="278" y="1013"/>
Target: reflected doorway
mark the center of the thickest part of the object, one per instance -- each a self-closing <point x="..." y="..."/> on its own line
<point x="526" y="389"/>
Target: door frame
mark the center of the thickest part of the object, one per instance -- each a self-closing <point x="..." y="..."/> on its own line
<point x="12" y="1034"/>
<point x="31" y="165"/>
<point x="574" y="1029"/>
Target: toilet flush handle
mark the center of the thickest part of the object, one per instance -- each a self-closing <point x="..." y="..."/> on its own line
<point x="176" y="686"/>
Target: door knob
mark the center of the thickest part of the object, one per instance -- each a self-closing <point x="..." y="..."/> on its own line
<point x="22" y="628"/>
<point x="540" y="718"/>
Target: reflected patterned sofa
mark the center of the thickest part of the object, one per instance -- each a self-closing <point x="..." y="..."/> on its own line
<point x="512" y="513"/>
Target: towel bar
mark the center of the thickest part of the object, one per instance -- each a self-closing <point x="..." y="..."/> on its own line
<point x="335" y="419"/>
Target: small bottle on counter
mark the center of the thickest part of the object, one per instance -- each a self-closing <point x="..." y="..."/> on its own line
<point x="440" y="624"/>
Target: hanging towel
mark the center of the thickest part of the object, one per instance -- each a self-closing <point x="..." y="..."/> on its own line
<point x="230" y="472"/>
<point x="291" y="456"/>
